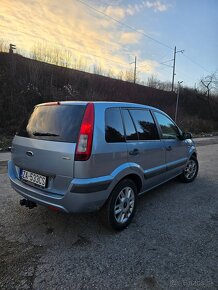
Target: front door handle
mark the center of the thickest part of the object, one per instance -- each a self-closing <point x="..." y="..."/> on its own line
<point x="134" y="152"/>
<point x="169" y="148"/>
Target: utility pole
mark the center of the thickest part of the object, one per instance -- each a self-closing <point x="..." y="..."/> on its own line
<point x="135" y="67"/>
<point x="174" y="65"/>
<point x="177" y="99"/>
<point x="135" y="71"/>
<point x="12" y="47"/>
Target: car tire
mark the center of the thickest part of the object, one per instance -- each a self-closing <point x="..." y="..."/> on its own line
<point x="120" y="208"/>
<point x="190" y="172"/>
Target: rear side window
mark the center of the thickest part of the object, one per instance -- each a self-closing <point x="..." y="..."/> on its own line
<point x="131" y="133"/>
<point x="54" y="123"/>
<point x="114" y="131"/>
<point x="145" y="124"/>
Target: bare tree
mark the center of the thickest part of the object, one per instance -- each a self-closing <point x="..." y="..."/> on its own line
<point x="97" y="69"/>
<point x="68" y="58"/>
<point x="129" y="75"/>
<point x="208" y="85"/>
<point x="120" y="75"/>
<point x="154" y="82"/>
<point x="3" y="46"/>
<point x="110" y="73"/>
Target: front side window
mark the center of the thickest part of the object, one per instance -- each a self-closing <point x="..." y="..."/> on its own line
<point x="168" y="128"/>
<point x="114" y="131"/>
<point x="145" y="124"/>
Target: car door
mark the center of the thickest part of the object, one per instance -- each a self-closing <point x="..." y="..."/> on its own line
<point x="144" y="145"/>
<point x="176" y="149"/>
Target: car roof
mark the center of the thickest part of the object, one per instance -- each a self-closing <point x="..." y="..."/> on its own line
<point x="103" y="103"/>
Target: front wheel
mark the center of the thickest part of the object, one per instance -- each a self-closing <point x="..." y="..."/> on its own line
<point x="191" y="170"/>
<point x="120" y="208"/>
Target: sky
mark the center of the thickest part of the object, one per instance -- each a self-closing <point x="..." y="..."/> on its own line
<point x="109" y="34"/>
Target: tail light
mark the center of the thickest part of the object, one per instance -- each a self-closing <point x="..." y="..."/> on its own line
<point x="84" y="143"/>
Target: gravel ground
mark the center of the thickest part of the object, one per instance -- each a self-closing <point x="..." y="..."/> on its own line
<point x="171" y="244"/>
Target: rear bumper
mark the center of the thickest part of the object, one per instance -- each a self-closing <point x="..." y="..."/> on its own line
<point x="83" y="195"/>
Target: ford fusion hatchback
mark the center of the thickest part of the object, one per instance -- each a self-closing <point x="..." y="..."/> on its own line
<point x="88" y="156"/>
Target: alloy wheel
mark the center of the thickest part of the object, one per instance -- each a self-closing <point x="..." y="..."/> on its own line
<point x="190" y="169"/>
<point x="124" y="205"/>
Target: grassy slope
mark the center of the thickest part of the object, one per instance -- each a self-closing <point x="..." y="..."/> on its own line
<point x="25" y="82"/>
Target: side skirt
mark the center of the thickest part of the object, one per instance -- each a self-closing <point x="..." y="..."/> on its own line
<point x="152" y="187"/>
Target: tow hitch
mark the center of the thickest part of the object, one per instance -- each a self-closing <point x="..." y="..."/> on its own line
<point x="27" y="203"/>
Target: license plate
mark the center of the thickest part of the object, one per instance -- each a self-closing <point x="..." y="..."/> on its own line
<point x="34" y="178"/>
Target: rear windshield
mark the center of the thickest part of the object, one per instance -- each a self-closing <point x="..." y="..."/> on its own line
<point x="54" y="123"/>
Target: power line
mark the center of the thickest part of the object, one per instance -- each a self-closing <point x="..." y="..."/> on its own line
<point x="185" y="75"/>
<point x="124" y="24"/>
<point x="129" y="53"/>
<point x="81" y="52"/>
<point x="78" y="50"/>
<point x="95" y="55"/>
<point x="125" y="50"/>
<point x="109" y="59"/>
<point x="138" y="31"/>
<point x="166" y="61"/>
<point x="108" y="3"/>
<point x="196" y="63"/>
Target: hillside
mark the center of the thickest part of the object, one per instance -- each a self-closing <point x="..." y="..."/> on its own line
<point x="25" y="82"/>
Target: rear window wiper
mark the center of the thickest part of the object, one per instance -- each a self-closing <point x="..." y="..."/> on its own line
<point x="45" y="134"/>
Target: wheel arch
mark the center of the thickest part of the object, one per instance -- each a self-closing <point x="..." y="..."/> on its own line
<point x="132" y="176"/>
<point x="194" y="154"/>
<point x="136" y="179"/>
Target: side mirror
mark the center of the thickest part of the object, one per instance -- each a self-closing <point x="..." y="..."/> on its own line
<point x="187" y="135"/>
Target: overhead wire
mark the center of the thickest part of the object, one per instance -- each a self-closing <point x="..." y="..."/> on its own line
<point x="131" y="28"/>
<point x="78" y="50"/>
<point x="138" y="31"/>
<point x="196" y="63"/>
<point x="125" y="24"/>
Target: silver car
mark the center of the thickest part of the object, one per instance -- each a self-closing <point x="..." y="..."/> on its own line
<point x="86" y="156"/>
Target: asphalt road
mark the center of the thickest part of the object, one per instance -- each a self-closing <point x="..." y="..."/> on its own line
<point x="171" y="244"/>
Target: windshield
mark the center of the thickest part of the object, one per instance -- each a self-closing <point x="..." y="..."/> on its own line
<point x="55" y="123"/>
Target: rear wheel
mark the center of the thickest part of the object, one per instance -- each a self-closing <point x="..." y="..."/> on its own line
<point x="191" y="170"/>
<point x="120" y="208"/>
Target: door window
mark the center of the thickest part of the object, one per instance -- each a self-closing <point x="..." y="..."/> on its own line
<point x="168" y="128"/>
<point x="145" y="124"/>
<point x="131" y="133"/>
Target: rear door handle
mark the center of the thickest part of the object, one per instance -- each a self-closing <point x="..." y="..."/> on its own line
<point x="134" y="152"/>
<point x="169" y="148"/>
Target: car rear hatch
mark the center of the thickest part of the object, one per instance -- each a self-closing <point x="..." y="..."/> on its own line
<point x="45" y="145"/>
